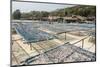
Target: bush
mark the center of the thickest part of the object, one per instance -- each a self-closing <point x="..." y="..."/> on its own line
<point x="13" y="31"/>
<point x="92" y="39"/>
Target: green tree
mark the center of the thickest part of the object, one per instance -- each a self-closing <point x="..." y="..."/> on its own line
<point x="26" y="15"/>
<point x="44" y="13"/>
<point x="17" y="14"/>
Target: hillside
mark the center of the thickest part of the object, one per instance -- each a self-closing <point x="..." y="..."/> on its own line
<point x="82" y="10"/>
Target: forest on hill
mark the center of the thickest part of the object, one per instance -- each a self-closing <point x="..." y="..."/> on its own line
<point x="81" y="10"/>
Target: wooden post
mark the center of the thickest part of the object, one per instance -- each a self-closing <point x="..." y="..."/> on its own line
<point x="12" y="42"/>
<point x="82" y="43"/>
<point x="30" y="46"/>
<point x="65" y="35"/>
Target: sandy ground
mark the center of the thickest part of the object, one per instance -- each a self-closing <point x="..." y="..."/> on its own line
<point x="87" y="45"/>
<point x="49" y="44"/>
<point x="27" y="47"/>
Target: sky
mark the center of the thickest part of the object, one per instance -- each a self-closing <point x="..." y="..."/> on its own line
<point x="30" y="6"/>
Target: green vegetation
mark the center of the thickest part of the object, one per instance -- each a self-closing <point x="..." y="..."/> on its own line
<point x="17" y="14"/>
<point x="13" y="31"/>
<point x="82" y="10"/>
<point x="92" y="40"/>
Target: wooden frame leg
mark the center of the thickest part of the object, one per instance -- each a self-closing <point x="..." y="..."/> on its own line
<point x="30" y="46"/>
<point x="82" y="43"/>
<point x="65" y="35"/>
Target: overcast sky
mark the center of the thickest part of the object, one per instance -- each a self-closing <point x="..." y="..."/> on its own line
<point x="29" y="6"/>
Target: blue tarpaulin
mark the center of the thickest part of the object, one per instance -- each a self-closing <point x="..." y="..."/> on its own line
<point x="31" y="34"/>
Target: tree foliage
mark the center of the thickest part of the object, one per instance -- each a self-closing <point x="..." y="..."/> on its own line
<point x="17" y="14"/>
<point x="81" y="10"/>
